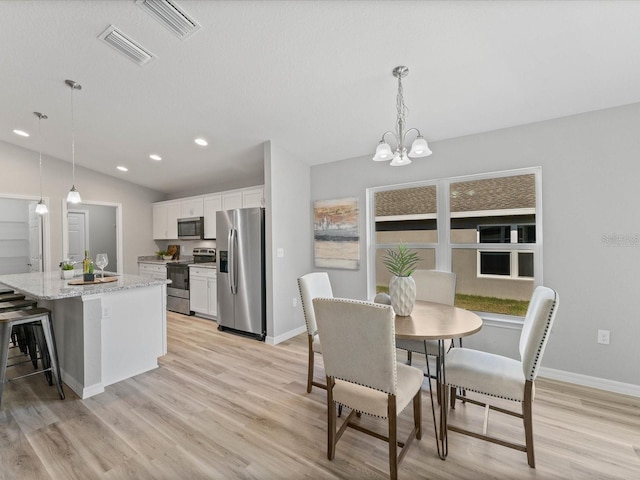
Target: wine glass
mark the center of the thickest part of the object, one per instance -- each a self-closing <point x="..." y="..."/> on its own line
<point x="102" y="261"/>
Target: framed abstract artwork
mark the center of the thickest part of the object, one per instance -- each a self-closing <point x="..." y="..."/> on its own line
<point x="336" y="238"/>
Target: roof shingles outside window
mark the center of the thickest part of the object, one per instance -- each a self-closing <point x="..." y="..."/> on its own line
<point x="500" y="193"/>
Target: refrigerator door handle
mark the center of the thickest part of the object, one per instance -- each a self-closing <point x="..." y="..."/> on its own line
<point x="232" y="261"/>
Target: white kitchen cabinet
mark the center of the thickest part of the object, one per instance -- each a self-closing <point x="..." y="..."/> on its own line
<point x="191" y="207"/>
<point x="231" y="200"/>
<point x="253" y="197"/>
<point x="212" y="205"/>
<point x="203" y="291"/>
<point x="157" y="271"/>
<point x="165" y="220"/>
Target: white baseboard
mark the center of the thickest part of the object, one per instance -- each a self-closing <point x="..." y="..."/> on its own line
<point x="594" y="382"/>
<point x="77" y="387"/>
<point x="285" y="336"/>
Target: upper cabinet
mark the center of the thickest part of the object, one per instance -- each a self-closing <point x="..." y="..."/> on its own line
<point x="165" y="220"/>
<point x="166" y="214"/>
<point x="253" y="197"/>
<point x="192" y="207"/>
<point x="212" y="205"/>
<point x="231" y="200"/>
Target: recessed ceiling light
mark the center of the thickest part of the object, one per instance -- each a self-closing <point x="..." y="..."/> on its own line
<point x="122" y="169"/>
<point x="153" y="156"/>
<point x="201" y="141"/>
<point x="25" y="134"/>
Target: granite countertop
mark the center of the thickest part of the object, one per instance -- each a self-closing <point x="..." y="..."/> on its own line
<point x="159" y="261"/>
<point x="49" y="285"/>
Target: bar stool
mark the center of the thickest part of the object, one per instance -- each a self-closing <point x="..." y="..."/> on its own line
<point x="40" y="319"/>
<point x="9" y="295"/>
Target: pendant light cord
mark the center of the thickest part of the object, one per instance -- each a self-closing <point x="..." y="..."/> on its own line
<point x="73" y="142"/>
<point x="40" y="136"/>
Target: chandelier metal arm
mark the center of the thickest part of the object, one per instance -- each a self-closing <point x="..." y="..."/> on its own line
<point x="419" y="147"/>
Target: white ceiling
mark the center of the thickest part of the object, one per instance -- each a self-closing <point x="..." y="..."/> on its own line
<point x="315" y="77"/>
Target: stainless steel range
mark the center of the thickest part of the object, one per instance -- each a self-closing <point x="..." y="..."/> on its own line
<point x="178" y="272"/>
<point x="178" y="289"/>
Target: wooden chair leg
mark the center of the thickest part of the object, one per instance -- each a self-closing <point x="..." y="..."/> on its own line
<point x="453" y="391"/>
<point x="417" y="413"/>
<point x="528" y="422"/>
<point x="310" y="370"/>
<point x="331" y="421"/>
<point x="392" y="415"/>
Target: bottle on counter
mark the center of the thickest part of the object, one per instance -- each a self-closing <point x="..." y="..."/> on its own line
<point x="87" y="268"/>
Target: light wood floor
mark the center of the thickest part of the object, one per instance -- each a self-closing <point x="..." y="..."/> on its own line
<point x="223" y="406"/>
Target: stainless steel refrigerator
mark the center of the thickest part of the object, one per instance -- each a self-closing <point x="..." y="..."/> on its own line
<point x="241" y="271"/>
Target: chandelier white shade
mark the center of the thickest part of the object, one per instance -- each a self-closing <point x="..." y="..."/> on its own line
<point x="419" y="148"/>
<point x="41" y="208"/>
<point x="73" y="196"/>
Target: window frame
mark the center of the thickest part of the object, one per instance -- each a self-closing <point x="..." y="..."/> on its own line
<point x="444" y="247"/>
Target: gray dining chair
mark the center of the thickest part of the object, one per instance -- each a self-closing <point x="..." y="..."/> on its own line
<point x="501" y="377"/>
<point x="358" y="345"/>
<point x="313" y="285"/>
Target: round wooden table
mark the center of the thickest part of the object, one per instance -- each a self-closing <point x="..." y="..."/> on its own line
<point x="436" y="321"/>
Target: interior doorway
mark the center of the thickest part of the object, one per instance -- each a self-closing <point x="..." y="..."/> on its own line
<point x="96" y="227"/>
<point x="24" y="243"/>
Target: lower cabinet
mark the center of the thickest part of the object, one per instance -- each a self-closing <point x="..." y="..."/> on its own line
<point x="157" y="271"/>
<point x="203" y="291"/>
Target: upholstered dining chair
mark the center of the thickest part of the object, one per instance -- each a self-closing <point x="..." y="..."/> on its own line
<point x="313" y="285"/>
<point x="431" y="286"/>
<point x="502" y="377"/>
<point x="358" y="349"/>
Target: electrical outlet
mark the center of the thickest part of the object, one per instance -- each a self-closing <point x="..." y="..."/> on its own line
<point x="106" y="311"/>
<point x="280" y="252"/>
<point x="603" y="337"/>
<point x="295" y="302"/>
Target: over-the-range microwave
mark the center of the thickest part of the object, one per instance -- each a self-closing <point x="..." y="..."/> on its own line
<point x="191" y="228"/>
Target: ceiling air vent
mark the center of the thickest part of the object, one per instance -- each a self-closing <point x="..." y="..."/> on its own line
<point x="126" y="46"/>
<point x="169" y="14"/>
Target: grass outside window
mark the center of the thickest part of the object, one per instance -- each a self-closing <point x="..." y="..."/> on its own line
<point x="478" y="303"/>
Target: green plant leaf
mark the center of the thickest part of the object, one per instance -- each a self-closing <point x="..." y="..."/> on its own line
<point x="401" y="261"/>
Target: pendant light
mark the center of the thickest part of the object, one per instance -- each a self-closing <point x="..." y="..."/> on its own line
<point x="419" y="147"/>
<point x="41" y="208"/>
<point x="73" y="196"/>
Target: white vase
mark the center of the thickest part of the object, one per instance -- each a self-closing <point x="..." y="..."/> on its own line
<point x="67" y="274"/>
<point x="402" y="291"/>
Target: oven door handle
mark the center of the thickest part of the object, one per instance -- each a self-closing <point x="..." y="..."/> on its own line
<point x="232" y="261"/>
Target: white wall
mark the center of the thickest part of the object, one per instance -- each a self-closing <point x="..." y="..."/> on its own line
<point x="590" y="165"/>
<point x="288" y="219"/>
<point x="19" y="176"/>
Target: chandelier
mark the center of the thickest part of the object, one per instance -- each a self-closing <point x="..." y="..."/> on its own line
<point x="419" y="148"/>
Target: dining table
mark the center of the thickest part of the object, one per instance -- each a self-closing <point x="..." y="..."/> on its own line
<point x="437" y="321"/>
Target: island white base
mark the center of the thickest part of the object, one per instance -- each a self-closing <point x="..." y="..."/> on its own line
<point x="107" y="337"/>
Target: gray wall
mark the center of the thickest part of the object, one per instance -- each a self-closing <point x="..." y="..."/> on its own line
<point x="20" y="177"/>
<point x="288" y="212"/>
<point x="589" y="189"/>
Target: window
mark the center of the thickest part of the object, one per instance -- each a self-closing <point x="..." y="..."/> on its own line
<point x="485" y="228"/>
<point x="509" y="263"/>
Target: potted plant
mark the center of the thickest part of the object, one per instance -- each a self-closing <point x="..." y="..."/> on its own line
<point x="401" y="263"/>
<point x="66" y="270"/>
<point x="164" y="255"/>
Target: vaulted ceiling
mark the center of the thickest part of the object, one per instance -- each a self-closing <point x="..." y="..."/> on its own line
<point x="315" y="77"/>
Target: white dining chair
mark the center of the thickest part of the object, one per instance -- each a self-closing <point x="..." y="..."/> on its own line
<point x="502" y="377"/>
<point x="313" y="285"/>
<point x="358" y="344"/>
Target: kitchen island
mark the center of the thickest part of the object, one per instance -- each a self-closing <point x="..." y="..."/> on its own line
<point x="105" y="332"/>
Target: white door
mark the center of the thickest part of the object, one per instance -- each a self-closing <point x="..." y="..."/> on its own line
<point x="78" y="240"/>
<point x="35" y="239"/>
